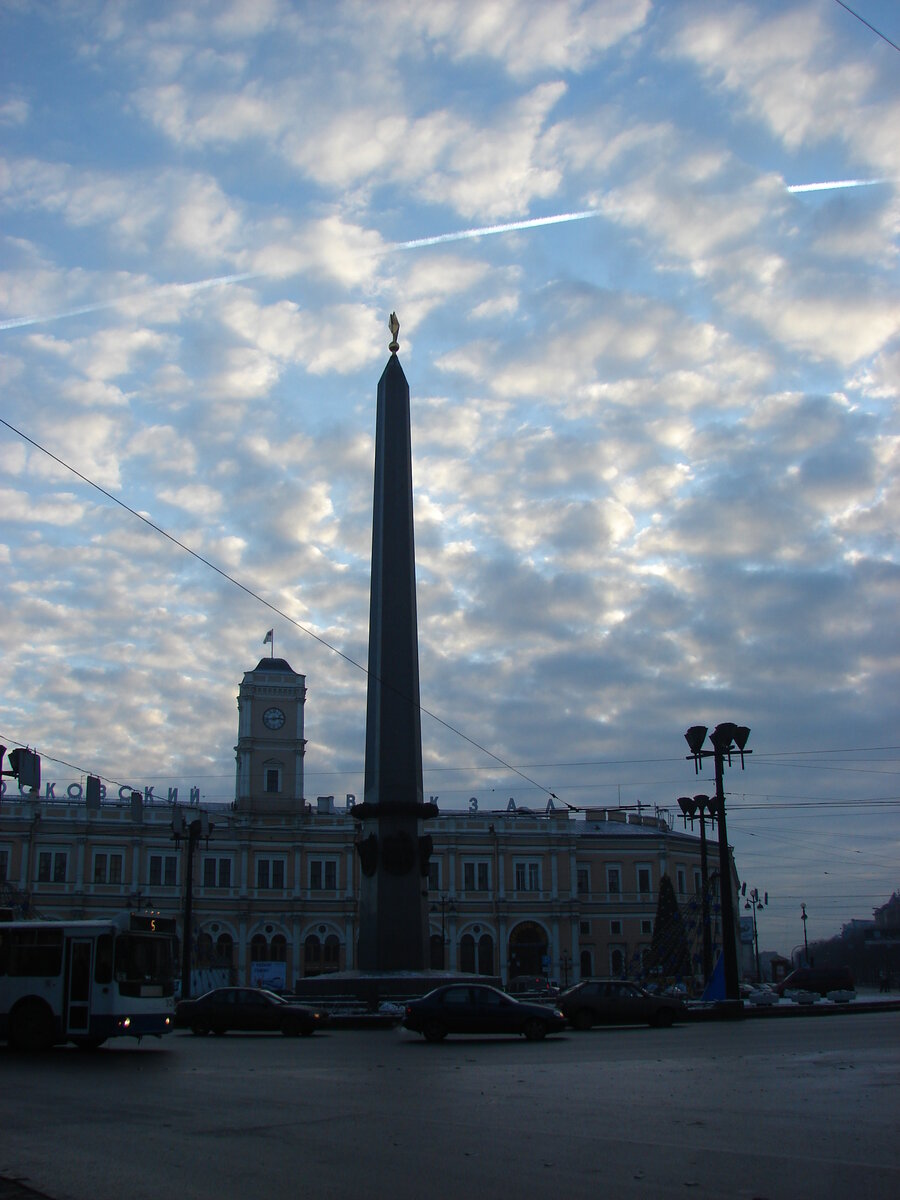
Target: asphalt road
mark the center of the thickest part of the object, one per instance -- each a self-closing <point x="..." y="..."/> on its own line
<point x="756" y="1109"/>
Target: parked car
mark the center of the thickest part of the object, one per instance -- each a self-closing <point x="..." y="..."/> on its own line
<point x="818" y="979"/>
<point x="478" y="1008"/>
<point x="248" y="1010"/>
<point x="533" y="985"/>
<point x="617" y="1002"/>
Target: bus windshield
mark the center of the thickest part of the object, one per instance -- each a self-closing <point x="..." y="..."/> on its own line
<point x="142" y="963"/>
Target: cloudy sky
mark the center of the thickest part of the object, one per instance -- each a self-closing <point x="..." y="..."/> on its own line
<point x="655" y="441"/>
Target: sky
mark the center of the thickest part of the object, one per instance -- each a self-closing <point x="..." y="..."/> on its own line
<point x="654" y="387"/>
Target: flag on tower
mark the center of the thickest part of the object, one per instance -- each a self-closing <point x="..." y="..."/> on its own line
<point x="269" y="638"/>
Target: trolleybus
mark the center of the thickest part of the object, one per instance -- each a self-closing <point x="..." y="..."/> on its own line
<point x="86" y="981"/>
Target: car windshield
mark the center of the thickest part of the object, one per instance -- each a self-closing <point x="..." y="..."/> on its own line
<point x="273" y="997"/>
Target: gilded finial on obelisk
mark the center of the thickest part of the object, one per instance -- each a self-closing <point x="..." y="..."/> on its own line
<point x="394" y="326"/>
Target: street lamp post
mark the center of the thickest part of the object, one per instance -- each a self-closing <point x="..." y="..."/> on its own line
<point x="699" y="806"/>
<point x="726" y="739"/>
<point x="445" y="904"/>
<point x="805" y="942"/>
<point x="754" y="903"/>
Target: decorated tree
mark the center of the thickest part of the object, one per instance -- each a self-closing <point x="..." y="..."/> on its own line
<point x="669" y="954"/>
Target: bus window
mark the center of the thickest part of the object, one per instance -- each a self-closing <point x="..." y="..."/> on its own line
<point x="104" y="962"/>
<point x="35" y="952"/>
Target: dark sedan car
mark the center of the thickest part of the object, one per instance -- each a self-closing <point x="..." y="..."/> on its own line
<point x="248" y="1010"/>
<point x="617" y="1002"/>
<point x="478" y="1008"/>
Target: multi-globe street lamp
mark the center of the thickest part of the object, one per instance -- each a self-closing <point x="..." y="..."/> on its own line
<point x="726" y="739"/>
<point x="700" y="807"/>
<point x="754" y="903"/>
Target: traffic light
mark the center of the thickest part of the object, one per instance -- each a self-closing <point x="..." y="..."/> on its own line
<point x="26" y="767"/>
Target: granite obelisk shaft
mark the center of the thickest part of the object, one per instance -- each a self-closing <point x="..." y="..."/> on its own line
<point x="393" y="853"/>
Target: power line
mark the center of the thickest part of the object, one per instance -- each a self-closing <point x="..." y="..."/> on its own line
<point x="883" y="36"/>
<point x="267" y="604"/>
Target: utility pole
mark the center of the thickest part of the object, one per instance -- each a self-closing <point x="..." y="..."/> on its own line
<point x="192" y="831"/>
<point x="726" y="739"/>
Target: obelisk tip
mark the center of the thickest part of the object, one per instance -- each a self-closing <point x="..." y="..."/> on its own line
<point x="394" y="326"/>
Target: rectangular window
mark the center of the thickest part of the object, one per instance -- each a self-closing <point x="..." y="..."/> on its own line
<point x="107" y="867"/>
<point x="270" y="873"/>
<point x="162" y="870"/>
<point x="615" y="928"/>
<point x="273" y="779"/>
<point x="434" y="876"/>
<point x="4" y="865"/>
<point x="323" y="874"/>
<point x="476" y="876"/>
<point x="584" y="881"/>
<point x="584" y="928"/>
<point x="644" y="877"/>
<point x="646" y="927"/>
<point x="613" y="880"/>
<point x="681" y="880"/>
<point x="698" y="883"/>
<point x="217" y="872"/>
<point x="527" y="876"/>
<point x="52" y="865"/>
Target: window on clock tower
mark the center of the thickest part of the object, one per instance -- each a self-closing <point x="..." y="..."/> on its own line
<point x="272" y="777"/>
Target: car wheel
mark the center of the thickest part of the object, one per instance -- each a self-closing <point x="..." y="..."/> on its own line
<point x="434" y="1031"/>
<point x="582" y="1019"/>
<point x="32" y="1027"/>
<point x="290" y="1029"/>
<point x="535" y="1029"/>
<point x="200" y="1029"/>
<point x="219" y="1031"/>
<point x="307" y="1030"/>
<point x="663" y="1019"/>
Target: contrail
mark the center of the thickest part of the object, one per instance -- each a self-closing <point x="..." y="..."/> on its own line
<point x="199" y="286"/>
<point x="832" y="185"/>
<point x="458" y="235"/>
<point x="486" y="230"/>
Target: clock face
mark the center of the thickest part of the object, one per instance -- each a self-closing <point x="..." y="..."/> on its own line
<point x="273" y="718"/>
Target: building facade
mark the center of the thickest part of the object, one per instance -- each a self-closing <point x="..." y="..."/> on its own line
<point x="275" y="885"/>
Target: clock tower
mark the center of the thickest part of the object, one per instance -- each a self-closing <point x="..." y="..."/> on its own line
<point x="271" y="744"/>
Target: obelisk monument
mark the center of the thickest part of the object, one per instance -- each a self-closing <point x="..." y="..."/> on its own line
<point x="393" y="852"/>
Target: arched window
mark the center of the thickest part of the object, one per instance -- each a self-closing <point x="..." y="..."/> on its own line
<point x="436" y="952"/>
<point x="616" y="960"/>
<point x="278" y="948"/>
<point x="225" y="949"/>
<point x="331" y="955"/>
<point x="259" y="948"/>
<point x="204" y="949"/>
<point x="485" y="954"/>
<point x="312" y="956"/>
<point x="467" y="954"/>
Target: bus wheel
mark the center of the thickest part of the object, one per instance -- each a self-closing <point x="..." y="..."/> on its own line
<point x="31" y="1027"/>
<point x="89" y="1043"/>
